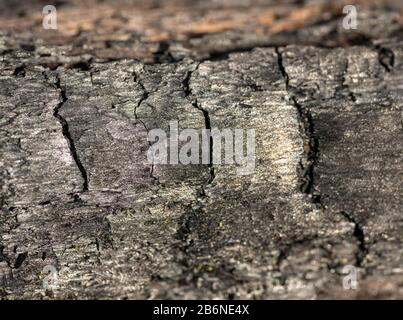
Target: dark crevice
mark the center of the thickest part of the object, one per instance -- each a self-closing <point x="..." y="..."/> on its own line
<point x="83" y="65"/>
<point x="311" y="143"/>
<point x="97" y="246"/>
<point x="224" y="54"/>
<point x="186" y="83"/>
<point x="360" y="236"/>
<point x="311" y="150"/>
<point x="191" y="214"/>
<point x="19" y="71"/>
<point x="28" y="47"/>
<point x="386" y="58"/>
<point x="145" y="93"/>
<point x="67" y="135"/>
<point x="282" y="68"/>
<point x="92" y="78"/>
<point x="163" y="55"/>
<point x="207" y="121"/>
<point x="20" y="259"/>
<point x="76" y="198"/>
<point x="143" y="98"/>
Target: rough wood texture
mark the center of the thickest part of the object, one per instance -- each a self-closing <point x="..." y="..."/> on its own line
<point x="77" y="192"/>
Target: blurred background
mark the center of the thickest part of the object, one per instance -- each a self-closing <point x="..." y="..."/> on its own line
<point x="144" y="30"/>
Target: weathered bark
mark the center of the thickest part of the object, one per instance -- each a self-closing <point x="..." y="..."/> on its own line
<point x="79" y="194"/>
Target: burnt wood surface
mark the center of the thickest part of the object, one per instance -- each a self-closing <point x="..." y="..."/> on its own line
<point x="77" y="193"/>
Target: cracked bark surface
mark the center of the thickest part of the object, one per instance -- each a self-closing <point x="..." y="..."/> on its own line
<point x="78" y="193"/>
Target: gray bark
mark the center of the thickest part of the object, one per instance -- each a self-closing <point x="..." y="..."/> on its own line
<point x="79" y="194"/>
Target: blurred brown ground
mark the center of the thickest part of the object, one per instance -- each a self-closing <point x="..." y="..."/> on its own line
<point x="112" y="29"/>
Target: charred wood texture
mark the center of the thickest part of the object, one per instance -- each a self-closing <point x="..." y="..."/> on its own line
<point x="77" y="192"/>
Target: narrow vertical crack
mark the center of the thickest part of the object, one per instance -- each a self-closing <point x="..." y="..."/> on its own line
<point x="20" y="260"/>
<point x="311" y="150"/>
<point x="185" y="229"/>
<point x="360" y="236"/>
<point x="68" y="137"/>
<point x="311" y="143"/>
<point x="386" y="58"/>
<point x="145" y="93"/>
<point x="207" y="121"/>
<point x="163" y="54"/>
